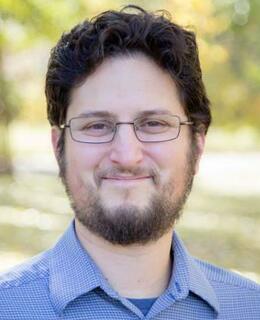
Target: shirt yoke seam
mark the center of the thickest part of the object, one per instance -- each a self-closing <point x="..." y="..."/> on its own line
<point x="236" y="285"/>
<point x="18" y="283"/>
<point x="250" y="285"/>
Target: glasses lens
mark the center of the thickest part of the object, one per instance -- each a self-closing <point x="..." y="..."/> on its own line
<point x="157" y="128"/>
<point x="92" y="130"/>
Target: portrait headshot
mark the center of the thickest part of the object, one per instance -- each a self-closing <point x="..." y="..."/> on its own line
<point x="129" y="115"/>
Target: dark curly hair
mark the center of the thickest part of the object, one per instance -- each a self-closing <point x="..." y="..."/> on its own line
<point x="113" y="33"/>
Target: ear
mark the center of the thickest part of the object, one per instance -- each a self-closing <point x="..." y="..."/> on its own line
<point x="200" y="140"/>
<point x="55" y="136"/>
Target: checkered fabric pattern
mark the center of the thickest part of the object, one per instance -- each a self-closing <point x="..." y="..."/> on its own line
<point x="65" y="283"/>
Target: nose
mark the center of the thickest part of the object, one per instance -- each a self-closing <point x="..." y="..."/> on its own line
<point x="127" y="150"/>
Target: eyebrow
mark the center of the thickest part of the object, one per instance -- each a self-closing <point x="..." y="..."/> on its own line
<point x="106" y="114"/>
<point x="153" y="112"/>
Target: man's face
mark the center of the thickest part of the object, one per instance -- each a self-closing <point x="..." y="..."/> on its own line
<point x="127" y="191"/>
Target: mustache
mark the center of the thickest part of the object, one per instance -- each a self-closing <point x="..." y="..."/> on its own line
<point x="117" y="171"/>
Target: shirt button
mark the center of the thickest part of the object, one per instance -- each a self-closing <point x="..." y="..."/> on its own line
<point x="173" y="296"/>
<point x="177" y="286"/>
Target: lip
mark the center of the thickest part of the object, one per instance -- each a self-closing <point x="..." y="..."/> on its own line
<point x="126" y="178"/>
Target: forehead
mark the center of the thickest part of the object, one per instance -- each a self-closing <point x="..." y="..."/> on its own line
<point x="126" y="86"/>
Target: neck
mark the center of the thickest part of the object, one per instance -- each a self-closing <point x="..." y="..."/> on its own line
<point x="134" y="271"/>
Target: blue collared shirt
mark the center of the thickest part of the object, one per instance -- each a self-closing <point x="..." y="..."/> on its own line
<point x="65" y="283"/>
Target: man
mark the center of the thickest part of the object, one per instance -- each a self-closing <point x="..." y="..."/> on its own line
<point x="129" y="115"/>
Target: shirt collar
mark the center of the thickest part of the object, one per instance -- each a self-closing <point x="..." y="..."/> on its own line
<point x="72" y="271"/>
<point x="188" y="276"/>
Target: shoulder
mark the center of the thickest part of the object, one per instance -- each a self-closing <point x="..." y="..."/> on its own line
<point x="32" y="270"/>
<point x="236" y="294"/>
<point x="24" y="291"/>
<point x="223" y="277"/>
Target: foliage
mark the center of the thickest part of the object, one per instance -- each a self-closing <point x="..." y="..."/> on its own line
<point x="24" y="23"/>
<point x="237" y="96"/>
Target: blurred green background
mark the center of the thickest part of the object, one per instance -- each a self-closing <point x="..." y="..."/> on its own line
<point x="222" y="217"/>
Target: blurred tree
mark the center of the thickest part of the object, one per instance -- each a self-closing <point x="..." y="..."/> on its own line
<point x="234" y="85"/>
<point x="6" y="113"/>
<point x="22" y="24"/>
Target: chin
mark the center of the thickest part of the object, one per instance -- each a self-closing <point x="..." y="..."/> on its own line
<point x="125" y="199"/>
<point x="125" y="205"/>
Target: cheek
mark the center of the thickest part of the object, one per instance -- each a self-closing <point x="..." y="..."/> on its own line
<point x="82" y="161"/>
<point x="170" y="158"/>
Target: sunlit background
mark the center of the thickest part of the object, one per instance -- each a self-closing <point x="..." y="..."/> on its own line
<point x="222" y="218"/>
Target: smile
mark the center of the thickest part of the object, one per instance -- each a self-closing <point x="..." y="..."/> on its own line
<point x="125" y="181"/>
<point x="126" y="178"/>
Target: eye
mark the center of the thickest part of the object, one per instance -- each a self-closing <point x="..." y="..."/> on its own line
<point x="153" y="125"/>
<point x="97" y="128"/>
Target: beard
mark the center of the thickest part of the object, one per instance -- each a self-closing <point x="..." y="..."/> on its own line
<point x="128" y="224"/>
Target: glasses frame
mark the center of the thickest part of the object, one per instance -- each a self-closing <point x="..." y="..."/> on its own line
<point x="181" y="123"/>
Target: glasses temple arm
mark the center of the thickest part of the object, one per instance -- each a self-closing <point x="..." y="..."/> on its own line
<point x="186" y="123"/>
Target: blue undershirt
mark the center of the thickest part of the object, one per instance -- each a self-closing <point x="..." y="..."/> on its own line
<point x="143" y="304"/>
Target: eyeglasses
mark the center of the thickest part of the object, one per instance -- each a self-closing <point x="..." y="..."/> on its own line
<point x="156" y="128"/>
